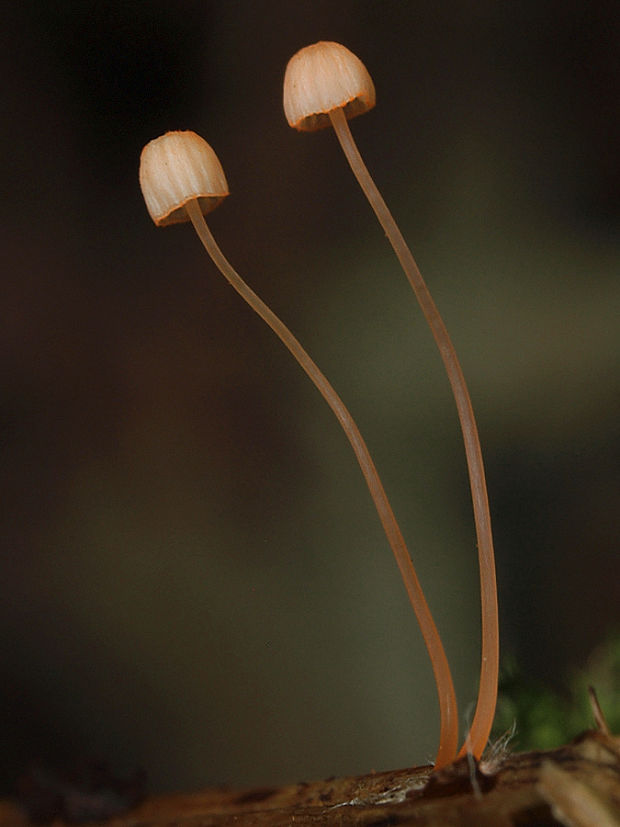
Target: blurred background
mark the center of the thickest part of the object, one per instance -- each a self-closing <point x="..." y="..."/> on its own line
<point x="194" y="578"/>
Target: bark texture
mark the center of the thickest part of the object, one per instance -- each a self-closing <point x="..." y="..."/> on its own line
<point x="578" y="784"/>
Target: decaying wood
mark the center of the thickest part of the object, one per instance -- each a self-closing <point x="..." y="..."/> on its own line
<point x="578" y="784"/>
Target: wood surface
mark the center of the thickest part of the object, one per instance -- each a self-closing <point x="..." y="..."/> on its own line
<point x="578" y="784"/>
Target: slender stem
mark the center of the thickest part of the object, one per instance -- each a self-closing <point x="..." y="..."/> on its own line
<point x="487" y="692"/>
<point x="445" y="689"/>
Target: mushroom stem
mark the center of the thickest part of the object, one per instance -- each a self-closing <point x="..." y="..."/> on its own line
<point x="445" y="689"/>
<point x="489" y="670"/>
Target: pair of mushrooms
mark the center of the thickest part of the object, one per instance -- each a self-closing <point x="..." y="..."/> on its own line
<point x="182" y="179"/>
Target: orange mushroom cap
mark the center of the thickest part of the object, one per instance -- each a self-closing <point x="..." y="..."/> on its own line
<point x="178" y="167"/>
<point x="321" y="78"/>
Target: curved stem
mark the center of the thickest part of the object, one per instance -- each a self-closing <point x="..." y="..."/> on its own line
<point x="487" y="692"/>
<point x="443" y="678"/>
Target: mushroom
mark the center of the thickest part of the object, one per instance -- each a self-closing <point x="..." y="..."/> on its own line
<point x="327" y="84"/>
<point x="181" y="179"/>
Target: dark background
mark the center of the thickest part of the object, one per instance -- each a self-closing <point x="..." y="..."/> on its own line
<point x="194" y="579"/>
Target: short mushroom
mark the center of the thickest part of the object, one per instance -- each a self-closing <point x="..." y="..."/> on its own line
<point x="181" y="179"/>
<point x="327" y="84"/>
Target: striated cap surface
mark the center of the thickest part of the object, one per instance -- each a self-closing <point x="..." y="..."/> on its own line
<point x="175" y="168"/>
<point x="323" y="77"/>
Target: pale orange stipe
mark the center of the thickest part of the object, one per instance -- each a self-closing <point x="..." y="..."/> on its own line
<point x="443" y="678"/>
<point x="489" y="670"/>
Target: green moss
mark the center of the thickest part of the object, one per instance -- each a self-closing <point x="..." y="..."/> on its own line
<point x="546" y="719"/>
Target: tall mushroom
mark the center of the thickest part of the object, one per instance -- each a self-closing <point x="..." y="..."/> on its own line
<point x="181" y="179"/>
<point x="326" y="84"/>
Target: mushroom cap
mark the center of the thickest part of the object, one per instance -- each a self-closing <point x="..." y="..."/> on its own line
<point x="175" y="168"/>
<point x="323" y="77"/>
